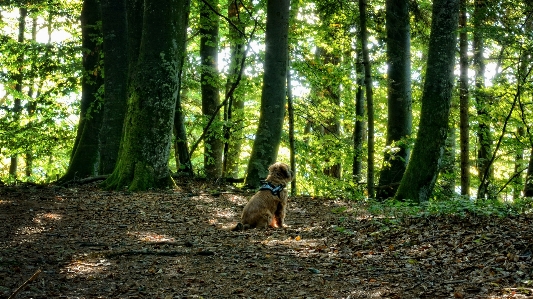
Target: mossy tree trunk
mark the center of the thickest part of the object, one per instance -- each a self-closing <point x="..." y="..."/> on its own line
<point x="399" y="118"/>
<point x="114" y="31"/>
<point x="84" y="157"/>
<point x="145" y="149"/>
<point x="419" y="179"/>
<point x="273" y="97"/>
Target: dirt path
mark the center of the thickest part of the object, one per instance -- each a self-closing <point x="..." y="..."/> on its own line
<point x="90" y="243"/>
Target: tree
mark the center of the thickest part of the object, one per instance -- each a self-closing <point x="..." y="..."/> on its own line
<point x="210" y="83"/>
<point x="84" y="157"/>
<point x="363" y="36"/>
<point x="145" y="148"/>
<point x="359" y="117"/>
<point x="268" y="136"/>
<point x="482" y="102"/>
<point x="399" y="97"/>
<point x="116" y="66"/>
<point x="419" y="179"/>
<point x="464" y="101"/>
<point x="23" y="12"/>
<point x="234" y="109"/>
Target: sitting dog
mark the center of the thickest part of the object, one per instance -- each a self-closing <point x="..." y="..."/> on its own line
<point x="269" y="205"/>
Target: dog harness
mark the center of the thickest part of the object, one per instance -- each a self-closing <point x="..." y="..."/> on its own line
<point x="276" y="190"/>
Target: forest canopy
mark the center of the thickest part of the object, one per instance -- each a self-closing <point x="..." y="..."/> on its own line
<point x="349" y="96"/>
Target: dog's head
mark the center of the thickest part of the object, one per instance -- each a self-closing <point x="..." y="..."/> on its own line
<point x="279" y="173"/>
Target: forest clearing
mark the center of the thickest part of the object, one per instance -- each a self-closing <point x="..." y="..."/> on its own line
<point x="89" y="243"/>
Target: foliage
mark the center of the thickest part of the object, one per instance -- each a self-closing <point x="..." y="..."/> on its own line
<point x="398" y="210"/>
<point x="53" y="70"/>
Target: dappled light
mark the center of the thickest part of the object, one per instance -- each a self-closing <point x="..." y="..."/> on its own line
<point x="155" y="244"/>
<point x="88" y="268"/>
<point x="151" y="237"/>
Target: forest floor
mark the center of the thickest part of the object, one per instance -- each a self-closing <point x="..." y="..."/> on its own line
<point x="81" y="242"/>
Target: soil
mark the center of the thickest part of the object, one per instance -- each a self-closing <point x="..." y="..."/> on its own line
<point x="82" y="242"/>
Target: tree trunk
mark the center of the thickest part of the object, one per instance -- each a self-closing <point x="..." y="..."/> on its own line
<point x="84" y="157"/>
<point x="17" y="108"/>
<point x="209" y="84"/>
<point x="359" y="119"/>
<point x="268" y="136"/>
<point x="234" y="110"/>
<point x="330" y="96"/>
<point x="369" y="97"/>
<point x="419" y="178"/>
<point x="399" y="120"/>
<point x="181" y="147"/>
<point x="464" y="101"/>
<point x="145" y="149"/>
<point x="116" y="66"/>
<point x="482" y="103"/>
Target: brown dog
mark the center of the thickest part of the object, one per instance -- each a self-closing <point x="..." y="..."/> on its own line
<point x="269" y="205"/>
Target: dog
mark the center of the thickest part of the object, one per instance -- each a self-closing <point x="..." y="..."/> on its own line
<point x="268" y="206"/>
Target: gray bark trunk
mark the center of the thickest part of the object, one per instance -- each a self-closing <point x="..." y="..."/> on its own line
<point x="419" y="178"/>
<point x="268" y="136"/>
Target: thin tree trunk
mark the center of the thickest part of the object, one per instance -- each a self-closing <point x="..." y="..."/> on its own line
<point x="464" y="101"/>
<point x="419" y="179"/>
<point x="292" y="149"/>
<point x="234" y="110"/>
<point x="359" y="119"/>
<point x="482" y="103"/>
<point x="23" y="12"/>
<point x="369" y="97"/>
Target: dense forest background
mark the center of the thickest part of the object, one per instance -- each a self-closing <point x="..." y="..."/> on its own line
<point x="340" y="90"/>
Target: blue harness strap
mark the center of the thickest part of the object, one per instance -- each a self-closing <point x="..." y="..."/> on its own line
<point x="276" y="190"/>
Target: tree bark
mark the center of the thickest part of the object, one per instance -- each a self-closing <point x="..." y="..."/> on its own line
<point x="369" y="97"/>
<point x="464" y="100"/>
<point x="210" y="88"/>
<point x="145" y="149"/>
<point x="181" y="147"/>
<point x="482" y="103"/>
<point x="84" y="157"/>
<point x="421" y="173"/>
<point x="399" y="120"/>
<point x="114" y="29"/>
<point x="268" y="136"/>
<point x="359" y="119"/>
<point x="234" y="110"/>
<point x="17" y="108"/>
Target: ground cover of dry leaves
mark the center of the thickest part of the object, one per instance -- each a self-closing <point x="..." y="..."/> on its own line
<point x="89" y="243"/>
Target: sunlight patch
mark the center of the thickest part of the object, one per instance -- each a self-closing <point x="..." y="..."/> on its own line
<point x="152" y="237"/>
<point x="43" y="217"/>
<point x="90" y="268"/>
<point x="5" y="202"/>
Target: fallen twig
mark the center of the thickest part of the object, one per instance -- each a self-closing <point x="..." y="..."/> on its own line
<point x="32" y="278"/>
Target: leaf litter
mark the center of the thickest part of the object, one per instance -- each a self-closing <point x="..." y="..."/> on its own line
<point x="89" y="243"/>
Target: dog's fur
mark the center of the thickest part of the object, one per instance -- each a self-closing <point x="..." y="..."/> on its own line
<point x="264" y="208"/>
